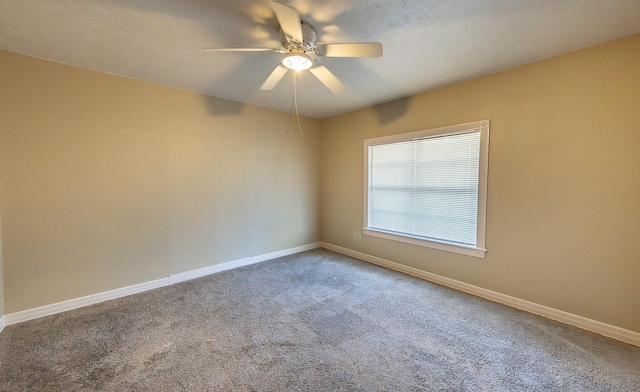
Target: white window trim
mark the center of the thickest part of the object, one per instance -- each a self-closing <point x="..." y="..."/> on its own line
<point x="477" y="251"/>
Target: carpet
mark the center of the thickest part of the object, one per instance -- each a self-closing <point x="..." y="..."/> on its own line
<point x="314" y="321"/>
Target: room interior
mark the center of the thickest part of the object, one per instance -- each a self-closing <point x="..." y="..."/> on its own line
<point x="114" y="181"/>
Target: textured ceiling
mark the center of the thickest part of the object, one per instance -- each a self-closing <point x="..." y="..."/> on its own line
<point x="427" y="43"/>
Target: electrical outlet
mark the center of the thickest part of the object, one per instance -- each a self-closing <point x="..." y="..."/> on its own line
<point x="355" y="235"/>
<point x="359" y="236"/>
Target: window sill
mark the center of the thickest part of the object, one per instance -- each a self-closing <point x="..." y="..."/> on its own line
<point x="446" y="246"/>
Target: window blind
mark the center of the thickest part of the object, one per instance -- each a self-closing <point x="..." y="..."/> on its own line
<point x="426" y="188"/>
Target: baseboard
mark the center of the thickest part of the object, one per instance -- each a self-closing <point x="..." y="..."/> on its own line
<point x="46" y="310"/>
<point x="59" y="307"/>
<point x="618" y="333"/>
<point x="197" y="273"/>
<point x="601" y="328"/>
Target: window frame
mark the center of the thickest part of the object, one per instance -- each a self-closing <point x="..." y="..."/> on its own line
<point x="476" y="251"/>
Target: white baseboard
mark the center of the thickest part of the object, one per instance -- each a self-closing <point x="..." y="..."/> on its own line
<point x="618" y="333"/>
<point x="58" y="307"/>
<point x="188" y="275"/>
<point x="46" y="310"/>
<point x="601" y="328"/>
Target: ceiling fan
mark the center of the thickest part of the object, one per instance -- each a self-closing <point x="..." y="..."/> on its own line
<point x="300" y="50"/>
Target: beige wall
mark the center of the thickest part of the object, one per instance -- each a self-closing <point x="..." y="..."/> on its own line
<point x="1" y="277"/>
<point x="563" y="213"/>
<point x="109" y="182"/>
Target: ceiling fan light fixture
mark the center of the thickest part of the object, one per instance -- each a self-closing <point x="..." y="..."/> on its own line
<point x="297" y="61"/>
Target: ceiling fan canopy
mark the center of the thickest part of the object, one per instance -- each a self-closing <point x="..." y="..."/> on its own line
<point x="300" y="50"/>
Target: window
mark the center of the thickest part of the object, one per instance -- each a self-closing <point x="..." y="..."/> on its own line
<point x="429" y="187"/>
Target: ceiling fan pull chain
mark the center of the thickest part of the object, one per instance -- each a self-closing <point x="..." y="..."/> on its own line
<point x="293" y="97"/>
<point x="295" y="100"/>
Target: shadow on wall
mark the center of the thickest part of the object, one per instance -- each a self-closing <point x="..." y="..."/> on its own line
<point x="391" y="111"/>
<point x="250" y="85"/>
<point x="222" y="107"/>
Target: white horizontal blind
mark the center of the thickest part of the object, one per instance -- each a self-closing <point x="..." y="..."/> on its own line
<point x="426" y="188"/>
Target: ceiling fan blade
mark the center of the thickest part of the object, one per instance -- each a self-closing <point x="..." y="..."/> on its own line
<point x="328" y="79"/>
<point x="364" y="49"/>
<point x="289" y="20"/>
<point x="275" y="77"/>
<point x="240" y="50"/>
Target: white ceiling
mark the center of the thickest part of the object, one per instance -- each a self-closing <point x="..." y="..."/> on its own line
<point x="427" y="43"/>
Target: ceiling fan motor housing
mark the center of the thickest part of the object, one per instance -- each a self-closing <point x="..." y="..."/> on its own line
<point x="308" y="39"/>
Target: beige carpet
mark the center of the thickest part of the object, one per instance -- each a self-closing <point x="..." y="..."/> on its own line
<point x="316" y="321"/>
